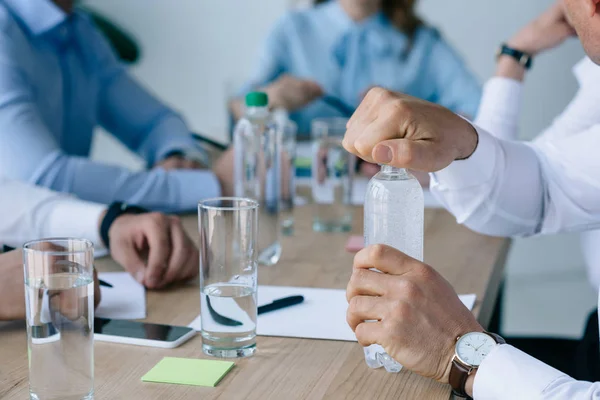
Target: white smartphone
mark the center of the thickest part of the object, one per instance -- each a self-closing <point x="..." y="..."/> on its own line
<point x="140" y="333"/>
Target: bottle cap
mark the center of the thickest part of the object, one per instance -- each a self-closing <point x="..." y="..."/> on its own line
<point x="257" y="99"/>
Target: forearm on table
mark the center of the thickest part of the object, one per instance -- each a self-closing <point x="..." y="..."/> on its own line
<point x="46" y="214"/>
<point x="157" y="189"/>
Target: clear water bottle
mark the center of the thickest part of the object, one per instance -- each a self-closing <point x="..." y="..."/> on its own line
<point x="257" y="172"/>
<point x="394" y="216"/>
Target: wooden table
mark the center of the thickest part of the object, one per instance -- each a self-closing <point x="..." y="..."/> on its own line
<point x="283" y="368"/>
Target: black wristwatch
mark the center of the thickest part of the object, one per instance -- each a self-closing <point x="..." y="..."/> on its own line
<point x="523" y="58"/>
<point x="115" y="211"/>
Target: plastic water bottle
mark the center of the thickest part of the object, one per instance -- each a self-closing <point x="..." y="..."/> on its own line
<point x="257" y="172"/>
<point x="394" y="216"/>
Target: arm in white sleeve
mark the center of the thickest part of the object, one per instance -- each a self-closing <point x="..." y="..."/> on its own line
<point x="508" y="373"/>
<point x="500" y="108"/>
<point x="30" y="213"/>
<point x="511" y="188"/>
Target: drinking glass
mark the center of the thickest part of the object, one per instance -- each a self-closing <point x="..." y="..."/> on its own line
<point x="228" y="276"/>
<point x="332" y="176"/>
<point x="59" y="295"/>
<point x="288" y="176"/>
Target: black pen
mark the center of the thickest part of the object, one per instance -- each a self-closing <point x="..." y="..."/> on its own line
<point x="274" y="306"/>
<point x="215" y="144"/>
<point x="280" y="303"/>
<point x="104" y="283"/>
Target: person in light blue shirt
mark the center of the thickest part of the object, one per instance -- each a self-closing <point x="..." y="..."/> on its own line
<point x="344" y="47"/>
<point x="59" y="79"/>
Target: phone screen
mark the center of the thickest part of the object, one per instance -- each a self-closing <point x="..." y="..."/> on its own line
<point x="139" y="330"/>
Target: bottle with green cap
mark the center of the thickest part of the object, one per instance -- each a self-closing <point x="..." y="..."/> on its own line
<point x="257" y="147"/>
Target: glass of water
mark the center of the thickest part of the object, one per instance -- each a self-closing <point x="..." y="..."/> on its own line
<point x="332" y="176"/>
<point x="228" y="276"/>
<point x="288" y="176"/>
<point x="59" y="294"/>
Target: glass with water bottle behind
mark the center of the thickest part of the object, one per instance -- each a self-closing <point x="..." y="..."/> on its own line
<point x="332" y="176"/>
<point x="394" y="216"/>
<point x="228" y="276"/>
<point x="59" y="296"/>
<point x="258" y="172"/>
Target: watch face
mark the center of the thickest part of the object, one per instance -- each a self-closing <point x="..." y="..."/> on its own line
<point x="473" y="347"/>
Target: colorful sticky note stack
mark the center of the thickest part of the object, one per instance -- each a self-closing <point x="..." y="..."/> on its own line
<point x="187" y="371"/>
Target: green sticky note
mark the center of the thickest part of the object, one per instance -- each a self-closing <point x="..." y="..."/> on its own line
<point x="188" y="371"/>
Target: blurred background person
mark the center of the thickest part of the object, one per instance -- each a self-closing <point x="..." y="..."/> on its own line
<point x="59" y="79"/>
<point x="343" y="47"/>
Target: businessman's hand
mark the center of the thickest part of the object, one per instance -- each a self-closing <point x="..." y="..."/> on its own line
<point x="546" y="32"/>
<point x="12" y="295"/>
<point x="399" y="130"/>
<point x="417" y="314"/>
<point x="154" y="248"/>
<point x="292" y="93"/>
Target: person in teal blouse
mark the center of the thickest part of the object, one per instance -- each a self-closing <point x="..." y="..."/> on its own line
<point x="344" y="47"/>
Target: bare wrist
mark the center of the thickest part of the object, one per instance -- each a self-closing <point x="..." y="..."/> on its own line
<point x="510" y="68"/>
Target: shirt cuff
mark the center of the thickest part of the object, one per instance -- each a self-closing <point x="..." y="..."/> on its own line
<point x="76" y="218"/>
<point x="473" y="171"/>
<point x="508" y="373"/>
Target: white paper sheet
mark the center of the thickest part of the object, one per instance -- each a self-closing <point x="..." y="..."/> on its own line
<point x="125" y="300"/>
<point x="322" y="315"/>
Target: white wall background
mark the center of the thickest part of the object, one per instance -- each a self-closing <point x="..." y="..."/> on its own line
<point x="194" y="51"/>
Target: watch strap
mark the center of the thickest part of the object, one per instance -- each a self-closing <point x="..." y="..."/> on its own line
<point x="115" y="210"/>
<point x="459" y="374"/>
<point x="523" y="58"/>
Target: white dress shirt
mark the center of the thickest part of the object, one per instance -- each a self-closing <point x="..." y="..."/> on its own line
<point x="511" y="188"/>
<point x="499" y="115"/>
<point x="29" y="212"/>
